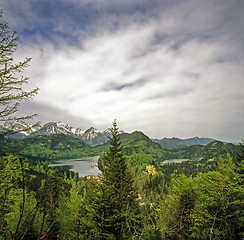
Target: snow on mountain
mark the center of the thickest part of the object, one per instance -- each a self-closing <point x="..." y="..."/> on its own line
<point x="79" y="131"/>
<point x="91" y="133"/>
<point x="107" y="131"/>
<point x="21" y="128"/>
<point x="58" y="128"/>
<point x="94" y="137"/>
<point x="91" y="136"/>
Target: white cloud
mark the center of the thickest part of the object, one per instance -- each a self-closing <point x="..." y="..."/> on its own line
<point x="173" y="74"/>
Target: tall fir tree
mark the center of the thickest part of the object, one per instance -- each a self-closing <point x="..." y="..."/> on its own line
<point x="123" y="196"/>
<point x="112" y="209"/>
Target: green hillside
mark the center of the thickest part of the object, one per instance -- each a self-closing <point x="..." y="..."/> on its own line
<point x="172" y="143"/>
<point x="138" y="142"/>
<point x="51" y="147"/>
<point x="140" y="150"/>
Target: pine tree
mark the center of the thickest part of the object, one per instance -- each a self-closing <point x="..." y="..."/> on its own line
<point x="11" y="81"/>
<point x="123" y="196"/>
<point x="111" y="208"/>
<point x="98" y="210"/>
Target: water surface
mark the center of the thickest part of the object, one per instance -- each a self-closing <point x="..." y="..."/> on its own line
<point x="174" y="161"/>
<point x="84" y="166"/>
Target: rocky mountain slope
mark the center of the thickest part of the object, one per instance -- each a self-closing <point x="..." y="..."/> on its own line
<point x="20" y="128"/>
<point x="91" y="136"/>
<point x="58" y="128"/>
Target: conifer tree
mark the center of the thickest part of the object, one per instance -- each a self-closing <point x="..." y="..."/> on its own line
<point x="111" y="205"/>
<point x="123" y="196"/>
<point x="11" y="81"/>
<point x="98" y="210"/>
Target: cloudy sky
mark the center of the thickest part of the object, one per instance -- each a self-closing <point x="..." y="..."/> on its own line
<point x="164" y="67"/>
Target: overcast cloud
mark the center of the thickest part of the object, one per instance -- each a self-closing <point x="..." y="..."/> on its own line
<point x="167" y="68"/>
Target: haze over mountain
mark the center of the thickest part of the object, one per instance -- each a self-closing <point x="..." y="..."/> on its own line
<point x="177" y="142"/>
<point x="92" y="135"/>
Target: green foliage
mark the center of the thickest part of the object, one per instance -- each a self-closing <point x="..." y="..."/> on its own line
<point x="51" y="147"/>
<point x="207" y="205"/>
<point x="138" y="143"/>
<point x="11" y="91"/>
<point x="152" y="186"/>
<point x="112" y="210"/>
<point x="172" y="143"/>
<point x="141" y="151"/>
<point x="123" y="194"/>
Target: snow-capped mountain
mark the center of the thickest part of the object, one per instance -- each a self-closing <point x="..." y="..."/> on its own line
<point x="91" y="133"/>
<point x="94" y="137"/>
<point x="58" y="128"/>
<point x="91" y="136"/>
<point x="21" y="128"/>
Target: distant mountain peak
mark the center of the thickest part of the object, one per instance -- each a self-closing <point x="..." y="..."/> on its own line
<point x="91" y="133"/>
<point x="19" y="126"/>
<point x="198" y="140"/>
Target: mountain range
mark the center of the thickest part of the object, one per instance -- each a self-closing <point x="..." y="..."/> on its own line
<point x="92" y="136"/>
<point x="177" y="142"/>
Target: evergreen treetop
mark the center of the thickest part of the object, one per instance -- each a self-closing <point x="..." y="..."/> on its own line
<point x="11" y="81"/>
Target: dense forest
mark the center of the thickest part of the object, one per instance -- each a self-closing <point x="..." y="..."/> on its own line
<point x="176" y="201"/>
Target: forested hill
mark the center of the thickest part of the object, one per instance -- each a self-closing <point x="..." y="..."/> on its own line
<point x="138" y="148"/>
<point x="141" y="151"/>
<point x="174" y="142"/>
<point x="211" y="151"/>
<point x="51" y="147"/>
<point x="138" y="142"/>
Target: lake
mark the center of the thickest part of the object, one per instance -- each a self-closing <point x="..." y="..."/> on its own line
<point x="84" y="166"/>
<point x="174" y="161"/>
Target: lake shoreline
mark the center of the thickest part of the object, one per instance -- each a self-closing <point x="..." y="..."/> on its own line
<point x="84" y="166"/>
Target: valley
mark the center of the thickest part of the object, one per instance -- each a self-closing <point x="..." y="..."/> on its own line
<point x="61" y="141"/>
<point x="63" y="181"/>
